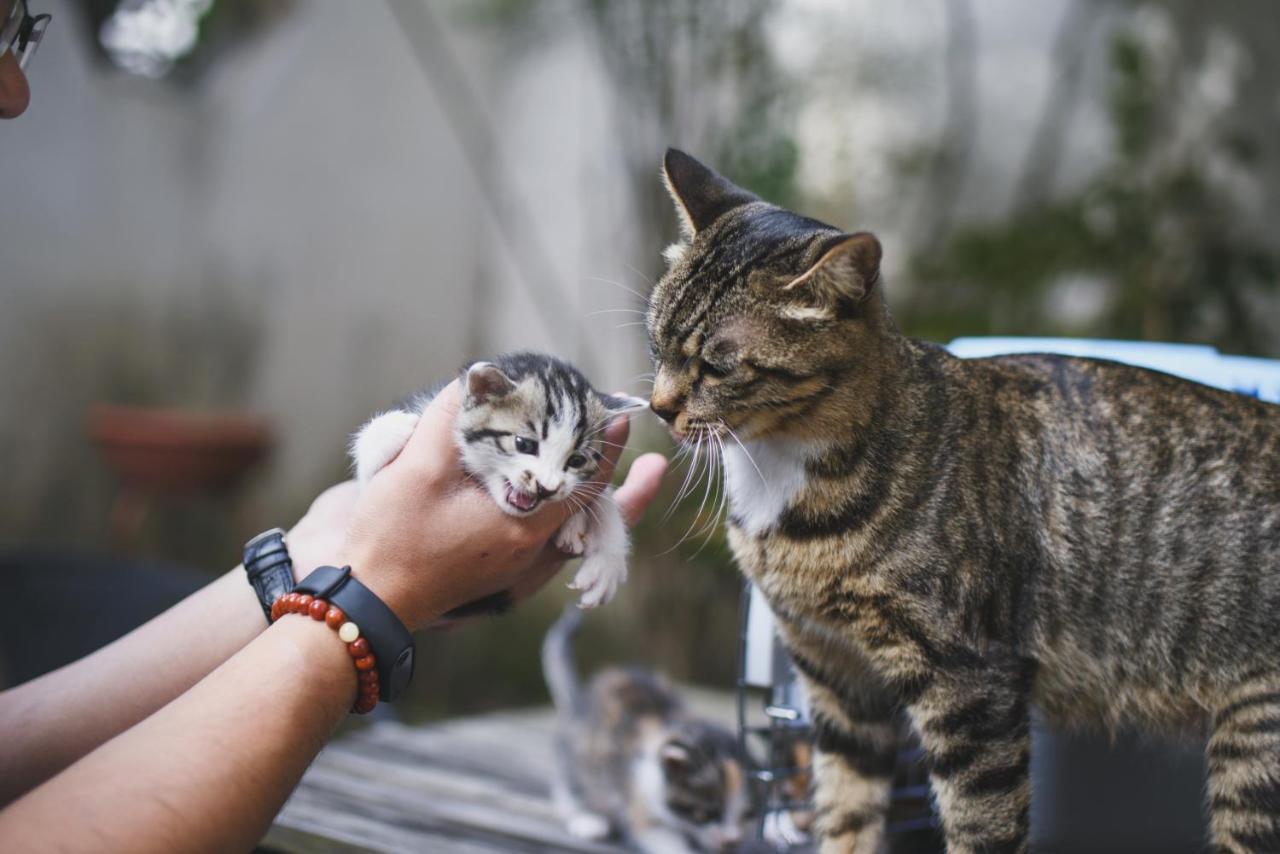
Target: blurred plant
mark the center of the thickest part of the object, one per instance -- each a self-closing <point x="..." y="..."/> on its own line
<point x="198" y="352"/>
<point x="1159" y="245"/>
<point x="177" y="39"/>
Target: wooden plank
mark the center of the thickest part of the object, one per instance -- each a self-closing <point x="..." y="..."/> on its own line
<point x="475" y="786"/>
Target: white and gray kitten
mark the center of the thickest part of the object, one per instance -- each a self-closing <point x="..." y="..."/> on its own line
<point x="635" y="765"/>
<point x="531" y="430"/>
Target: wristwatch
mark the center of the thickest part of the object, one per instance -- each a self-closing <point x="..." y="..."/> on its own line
<point x="389" y="640"/>
<point x="270" y="571"/>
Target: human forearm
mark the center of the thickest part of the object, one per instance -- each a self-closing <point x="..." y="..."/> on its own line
<point x="69" y="712"/>
<point x="208" y="771"/>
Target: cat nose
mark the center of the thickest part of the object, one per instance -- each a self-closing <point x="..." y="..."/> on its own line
<point x="664" y="411"/>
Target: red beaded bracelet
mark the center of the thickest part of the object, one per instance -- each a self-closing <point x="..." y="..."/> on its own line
<point x="348" y="633"/>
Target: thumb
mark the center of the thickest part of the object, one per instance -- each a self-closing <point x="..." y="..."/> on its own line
<point x="432" y="441"/>
<point x="641" y="485"/>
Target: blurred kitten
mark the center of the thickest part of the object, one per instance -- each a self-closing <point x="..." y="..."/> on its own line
<point x="530" y="429"/>
<point x="633" y="763"/>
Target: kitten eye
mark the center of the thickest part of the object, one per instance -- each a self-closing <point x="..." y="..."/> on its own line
<point x="576" y="461"/>
<point x="526" y="446"/>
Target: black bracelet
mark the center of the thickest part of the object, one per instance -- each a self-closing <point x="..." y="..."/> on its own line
<point x="270" y="571"/>
<point x="389" y="640"/>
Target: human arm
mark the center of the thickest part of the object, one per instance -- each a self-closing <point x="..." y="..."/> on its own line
<point x="64" y="715"/>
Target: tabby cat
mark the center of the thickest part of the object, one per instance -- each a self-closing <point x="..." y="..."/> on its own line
<point x="635" y="764"/>
<point x="953" y="540"/>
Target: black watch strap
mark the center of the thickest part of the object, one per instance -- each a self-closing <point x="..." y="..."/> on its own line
<point x="270" y="571"/>
<point x="390" y="641"/>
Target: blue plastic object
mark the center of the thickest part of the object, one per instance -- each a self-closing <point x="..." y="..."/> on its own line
<point x="1255" y="377"/>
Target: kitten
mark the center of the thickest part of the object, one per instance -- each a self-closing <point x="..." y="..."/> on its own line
<point x="954" y="539"/>
<point x="632" y="762"/>
<point x="530" y="430"/>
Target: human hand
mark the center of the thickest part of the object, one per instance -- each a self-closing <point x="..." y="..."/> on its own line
<point x="426" y="538"/>
<point x="317" y="538"/>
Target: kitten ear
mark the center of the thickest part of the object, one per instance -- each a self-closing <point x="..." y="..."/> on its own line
<point x="621" y="404"/>
<point x="486" y="381"/>
<point x="846" y="271"/>
<point x="700" y="195"/>
<point x="675" y="759"/>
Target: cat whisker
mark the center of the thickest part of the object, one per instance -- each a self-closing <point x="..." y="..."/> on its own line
<point x="613" y="311"/>
<point x="633" y="291"/>
<point x="648" y="280"/>
<point x="713" y="520"/>
<point x="685" y="486"/>
<point x="750" y="458"/>
<point x="710" y="468"/>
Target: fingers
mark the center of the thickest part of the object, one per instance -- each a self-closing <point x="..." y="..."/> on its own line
<point x="615" y="438"/>
<point x="432" y="441"/>
<point x="637" y="492"/>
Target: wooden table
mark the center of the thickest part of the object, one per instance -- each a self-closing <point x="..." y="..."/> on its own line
<point x="475" y="785"/>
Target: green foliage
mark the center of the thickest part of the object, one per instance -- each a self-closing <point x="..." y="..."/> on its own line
<point x="1159" y="229"/>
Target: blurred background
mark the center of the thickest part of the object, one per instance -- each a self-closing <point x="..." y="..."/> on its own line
<point x="252" y="223"/>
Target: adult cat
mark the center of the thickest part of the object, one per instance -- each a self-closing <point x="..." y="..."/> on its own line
<point x="955" y="539"/>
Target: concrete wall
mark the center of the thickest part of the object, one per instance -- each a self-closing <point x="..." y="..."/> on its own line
<point x="307" y="200"/>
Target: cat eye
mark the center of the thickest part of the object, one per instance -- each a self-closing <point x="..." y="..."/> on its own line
<point x="576" y="461"/>
<point x="715" y="372"/>
<point x="526" y="446"/>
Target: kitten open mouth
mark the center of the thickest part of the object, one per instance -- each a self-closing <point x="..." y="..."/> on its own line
<point x="521" y="500"/>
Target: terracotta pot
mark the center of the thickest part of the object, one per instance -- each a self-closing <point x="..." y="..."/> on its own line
<point x="173" y="451"/>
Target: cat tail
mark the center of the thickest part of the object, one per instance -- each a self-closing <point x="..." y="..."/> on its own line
<point x="558" y="666"/>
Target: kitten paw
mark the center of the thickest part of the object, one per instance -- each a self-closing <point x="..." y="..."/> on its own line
<point x="598" y="579"/>
<point x="381" y="441"/>
<point x="588" y="825"/>
<point x="572" y="536"/>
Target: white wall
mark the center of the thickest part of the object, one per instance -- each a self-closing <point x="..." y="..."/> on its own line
<point x="313" y="178"/>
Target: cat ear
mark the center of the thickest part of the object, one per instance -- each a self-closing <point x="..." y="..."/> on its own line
<point x="845" y="272"/>
<point x="675" y="759"/>
<point x="700" y="195"/>
<point x="621" y="404"/>
<point x="486" y="381"/>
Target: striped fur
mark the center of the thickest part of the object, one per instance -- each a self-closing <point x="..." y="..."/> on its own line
<point x="959" y="539"/>
<point x="633" y="763"/>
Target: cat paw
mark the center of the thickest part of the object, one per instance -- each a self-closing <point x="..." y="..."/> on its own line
<point x="588" y="825"/>
<point x="597" y="580"/>
<point x="381" y="441"/>
<point x="572" y="536"/>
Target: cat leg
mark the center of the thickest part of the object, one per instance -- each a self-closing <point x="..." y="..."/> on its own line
<point x="856" y="746"/>
<point x="579" y="820"/>
<point x="1244" y="767"/>
<point x="380" y="441"/>
<point x="975" y="727"/>
<point x="604" y="551"/>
